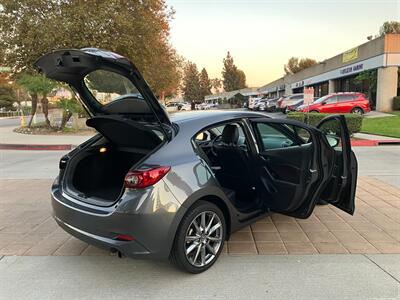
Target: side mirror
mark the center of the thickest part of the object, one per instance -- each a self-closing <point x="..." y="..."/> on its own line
<point x="323" y="103"/>
<point x="333" y="141"/>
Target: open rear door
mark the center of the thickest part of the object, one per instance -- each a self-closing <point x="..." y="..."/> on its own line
<point x="341" y="187"/>
<point x="291" y="165"/>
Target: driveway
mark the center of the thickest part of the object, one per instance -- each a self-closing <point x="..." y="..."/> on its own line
<point x="27" y="228"/>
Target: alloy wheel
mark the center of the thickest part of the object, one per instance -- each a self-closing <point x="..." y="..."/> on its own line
<point x="203" y="239"/>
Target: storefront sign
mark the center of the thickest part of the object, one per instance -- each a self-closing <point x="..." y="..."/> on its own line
<point x="308" y="95"/>
<point x="350" y="55"/>
<point x="297" y="84"/>
<point x="352" y="69"/>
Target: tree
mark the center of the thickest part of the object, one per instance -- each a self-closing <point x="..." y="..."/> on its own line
<point x="191" y="84"/>
<point x="295" y="65"/>
<point x="389" y="27"/>
<point x="37" y="85"/>
<point x="69" y="107"/>
<point x="233" y="78"/>
<point x="7" y="96"/>
<point x="216" y="84"/>
<point x="138" y="30"/>
<point x="205" y="84"/>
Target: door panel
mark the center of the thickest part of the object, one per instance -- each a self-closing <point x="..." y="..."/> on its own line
<point x="341" y="187"/>
<point x="288" y="170"/>
<point x="292" y="175"/>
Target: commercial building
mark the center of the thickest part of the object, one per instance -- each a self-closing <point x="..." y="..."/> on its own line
<point x="378" y="60"/>
<point x="237" y="97"/>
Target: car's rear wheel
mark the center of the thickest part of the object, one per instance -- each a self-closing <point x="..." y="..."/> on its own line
<point x="200" y="238"/>
<point x="357" y="111"/>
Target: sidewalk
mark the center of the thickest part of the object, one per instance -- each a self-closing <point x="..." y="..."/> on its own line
<point x="251" y="277"/>
<point x="367" y="136"/>
<point x="8" y="136"/>
<point x="377" y="114"/>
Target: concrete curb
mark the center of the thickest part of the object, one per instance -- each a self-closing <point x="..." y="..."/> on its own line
<point x="36" y="147"/>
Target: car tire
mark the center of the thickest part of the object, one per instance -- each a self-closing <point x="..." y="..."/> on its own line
<point x="187" y="262"/>
<point x="314" y="111"/>
<point x="357" y="111"/>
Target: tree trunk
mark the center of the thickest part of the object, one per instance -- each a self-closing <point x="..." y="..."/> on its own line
<point x="45" y="109"/>
<point x="65" y="118"/>
<point x="192" y="105"/>
<point x="34" y="100"/>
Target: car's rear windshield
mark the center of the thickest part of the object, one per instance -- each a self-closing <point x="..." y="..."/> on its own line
<point x="107" y="86"/>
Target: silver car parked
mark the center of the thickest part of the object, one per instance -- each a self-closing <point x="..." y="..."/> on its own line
<point x="153" y="185"/>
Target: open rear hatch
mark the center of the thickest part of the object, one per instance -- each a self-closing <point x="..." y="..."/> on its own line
<point x="123" y="110"/>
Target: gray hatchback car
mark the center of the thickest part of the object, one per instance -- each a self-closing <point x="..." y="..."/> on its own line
<point x="150" y="185"/>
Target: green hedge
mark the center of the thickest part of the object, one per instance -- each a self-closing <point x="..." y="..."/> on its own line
<point x="354" y="122"/>
<point x="396" y="103"/>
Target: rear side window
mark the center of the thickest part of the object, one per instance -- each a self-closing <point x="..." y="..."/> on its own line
<point x="108" y="86"/>
<point x="343" y="98"/>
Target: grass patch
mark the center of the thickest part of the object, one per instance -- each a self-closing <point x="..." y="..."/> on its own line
<point x="388" y="126"/>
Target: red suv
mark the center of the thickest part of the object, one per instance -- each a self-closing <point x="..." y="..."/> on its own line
<point x="355" y="103"/>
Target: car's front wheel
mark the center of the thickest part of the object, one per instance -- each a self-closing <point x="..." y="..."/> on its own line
<point x="200" y="238"/>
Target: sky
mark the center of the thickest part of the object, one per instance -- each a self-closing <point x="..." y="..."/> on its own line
<point x="263" y="34"/>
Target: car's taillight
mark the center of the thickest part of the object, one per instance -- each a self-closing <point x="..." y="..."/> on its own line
<point x="139" y="179"/>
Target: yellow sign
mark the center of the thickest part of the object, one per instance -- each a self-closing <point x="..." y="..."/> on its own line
<point x="350" y="55"/>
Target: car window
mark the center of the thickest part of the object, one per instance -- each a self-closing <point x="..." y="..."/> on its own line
<point x="300" y="133"/>
<point x="333" y="133"/>
<point x="209" y="134"/>
<point x="203" y="136"/>
<point x="332" y="99"/>
<point x="343" y="98"/>
<point x="271" y="138"/>
<point x="276" y="136"/>
<point x="106" y="86"/>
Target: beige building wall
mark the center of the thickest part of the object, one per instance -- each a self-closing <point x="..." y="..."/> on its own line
<point x="386" y="88"/>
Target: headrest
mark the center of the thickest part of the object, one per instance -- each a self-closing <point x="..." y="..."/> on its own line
<point x="230" y="134"/>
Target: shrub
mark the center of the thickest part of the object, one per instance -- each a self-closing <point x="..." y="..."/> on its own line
<point x="396" y="103"/>
<point x="353" y="121"/>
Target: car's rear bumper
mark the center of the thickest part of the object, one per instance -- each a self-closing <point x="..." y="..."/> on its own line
<point x="129" y="248"/>
<point x="135" y="215"/>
